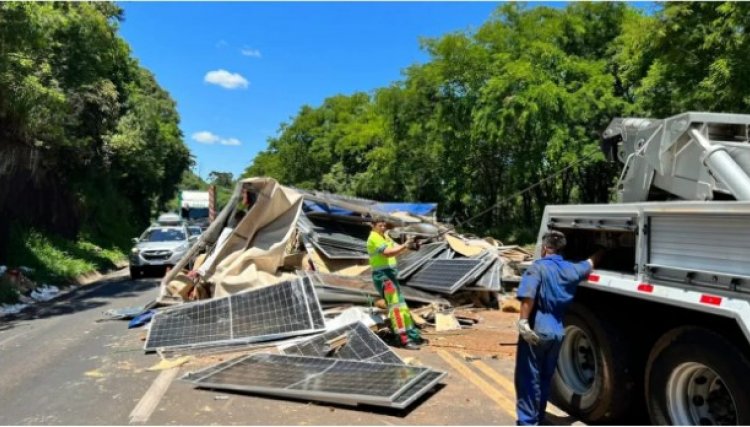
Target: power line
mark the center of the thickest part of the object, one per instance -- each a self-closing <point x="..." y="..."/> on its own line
<point x="530" y="187"/>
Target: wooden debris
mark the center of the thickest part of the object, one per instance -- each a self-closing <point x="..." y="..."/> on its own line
<point x="418" y="320"/>
<point x="170" y="363"/>
<point x="335" y="344"/>
<point x="510" y="305"/>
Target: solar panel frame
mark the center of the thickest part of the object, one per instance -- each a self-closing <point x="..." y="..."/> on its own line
<point x="418" y="389"/>
<point x="302" y="290"/>
<point x="322" y="365"/>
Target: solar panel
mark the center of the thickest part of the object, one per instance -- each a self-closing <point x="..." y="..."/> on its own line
<point x="446" y="275"/>
<point x="413" y="261"/>
<point x="361" y="344"/>
<point x="313" y="378"/>
<point x="286" y="309"/>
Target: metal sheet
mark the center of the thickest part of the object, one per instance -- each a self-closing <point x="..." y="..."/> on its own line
<point x="313" y="378"/>
<point x="286" y="309"/>
<point x="698" y="242"/>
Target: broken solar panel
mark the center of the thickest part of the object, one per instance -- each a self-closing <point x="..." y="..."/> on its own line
<point x="286" y="309"/>
<point x="361" y="344"/>
<point x="313" y="378"/>
<point x="446" y="275"/>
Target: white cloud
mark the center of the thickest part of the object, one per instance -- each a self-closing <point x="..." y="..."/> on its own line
<point x="230" y="141"/>
<point x="205" y="137"/>
<point x="226" y="79"/>
<point x="222" y="43"/>
<point x="255" y="53"/>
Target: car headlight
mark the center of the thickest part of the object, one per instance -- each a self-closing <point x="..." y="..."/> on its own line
<point x="135" y="251"/>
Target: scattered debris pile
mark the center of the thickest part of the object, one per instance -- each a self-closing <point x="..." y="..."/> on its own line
<point x="286" y="269"/>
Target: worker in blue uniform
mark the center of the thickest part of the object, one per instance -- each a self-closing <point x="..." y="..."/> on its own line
<point x="546" y="290"/>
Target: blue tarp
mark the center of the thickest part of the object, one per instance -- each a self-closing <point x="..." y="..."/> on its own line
<point x="410" y="208"/>
<point x="386" y="207"/>
<point x="309" y="206"/>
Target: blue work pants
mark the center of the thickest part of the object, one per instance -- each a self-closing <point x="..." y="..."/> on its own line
<point x="535" y="365"/>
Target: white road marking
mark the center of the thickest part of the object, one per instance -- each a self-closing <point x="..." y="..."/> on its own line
<point x="150" y="400"/>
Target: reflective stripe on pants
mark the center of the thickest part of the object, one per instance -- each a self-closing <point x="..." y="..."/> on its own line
<point x="401" y="322"/>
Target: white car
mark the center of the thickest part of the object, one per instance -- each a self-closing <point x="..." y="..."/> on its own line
<point x="159" y="246"/>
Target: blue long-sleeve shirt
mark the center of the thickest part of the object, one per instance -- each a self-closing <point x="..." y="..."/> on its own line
<point x="551" y="282"/>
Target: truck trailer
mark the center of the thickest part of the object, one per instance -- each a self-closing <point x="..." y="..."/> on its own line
<point x="662" y="326"/>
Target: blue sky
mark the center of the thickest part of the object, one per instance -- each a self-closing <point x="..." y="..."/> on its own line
<point x="238" y="70"/>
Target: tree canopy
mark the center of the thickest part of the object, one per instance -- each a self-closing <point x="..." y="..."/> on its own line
<point x="87" y="136"/>
<point x="520" y="101"/>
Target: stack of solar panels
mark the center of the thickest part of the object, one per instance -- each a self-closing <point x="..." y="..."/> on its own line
<point x="332" y="288"/>
<point x="362" y="371"/>
<point x="278" y="311"/>
<point x="335" y="239"/>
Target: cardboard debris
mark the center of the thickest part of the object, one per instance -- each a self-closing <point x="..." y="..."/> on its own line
<point x="446" y="322"/>
<point x="465" y="248"/>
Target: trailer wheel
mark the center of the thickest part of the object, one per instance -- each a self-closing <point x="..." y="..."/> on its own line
<point x="593" y="379"/>
<point x="697" y="377"/>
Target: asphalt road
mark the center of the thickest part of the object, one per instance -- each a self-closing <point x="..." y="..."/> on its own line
<point x="61" y="365"/>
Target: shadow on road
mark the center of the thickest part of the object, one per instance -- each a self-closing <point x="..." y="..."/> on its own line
<point x="81" y="299"/>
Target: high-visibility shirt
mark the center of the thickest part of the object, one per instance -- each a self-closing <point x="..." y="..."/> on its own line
<point x="376" y="244"/>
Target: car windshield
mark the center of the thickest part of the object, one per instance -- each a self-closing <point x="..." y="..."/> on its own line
<point x="163" y="235"/>
<point x="194" y="231"/>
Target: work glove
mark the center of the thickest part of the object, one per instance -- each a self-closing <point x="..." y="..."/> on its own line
<point x="528" y="334"/>
<point x="411" y="243"/>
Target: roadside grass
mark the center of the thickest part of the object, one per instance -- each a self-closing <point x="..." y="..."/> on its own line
<point x="56" y="260"/>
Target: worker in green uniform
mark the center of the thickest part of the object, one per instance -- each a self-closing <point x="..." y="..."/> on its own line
<point x="383" y="250"/>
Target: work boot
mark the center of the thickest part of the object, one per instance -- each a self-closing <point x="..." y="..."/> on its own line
<point x="411" y="346"/>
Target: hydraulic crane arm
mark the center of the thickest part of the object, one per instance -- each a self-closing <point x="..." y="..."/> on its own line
<point x="691" y="156"/>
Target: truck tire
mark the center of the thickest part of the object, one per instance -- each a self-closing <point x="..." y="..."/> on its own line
<point x="697" y="377"/>
<point x="593" y="379"/>
<point x="135" y="272"/>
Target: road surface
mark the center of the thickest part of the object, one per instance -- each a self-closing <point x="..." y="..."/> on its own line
<point x="63" y="365"/>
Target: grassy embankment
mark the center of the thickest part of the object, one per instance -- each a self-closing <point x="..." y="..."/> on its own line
<point x="57" y="261"/>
